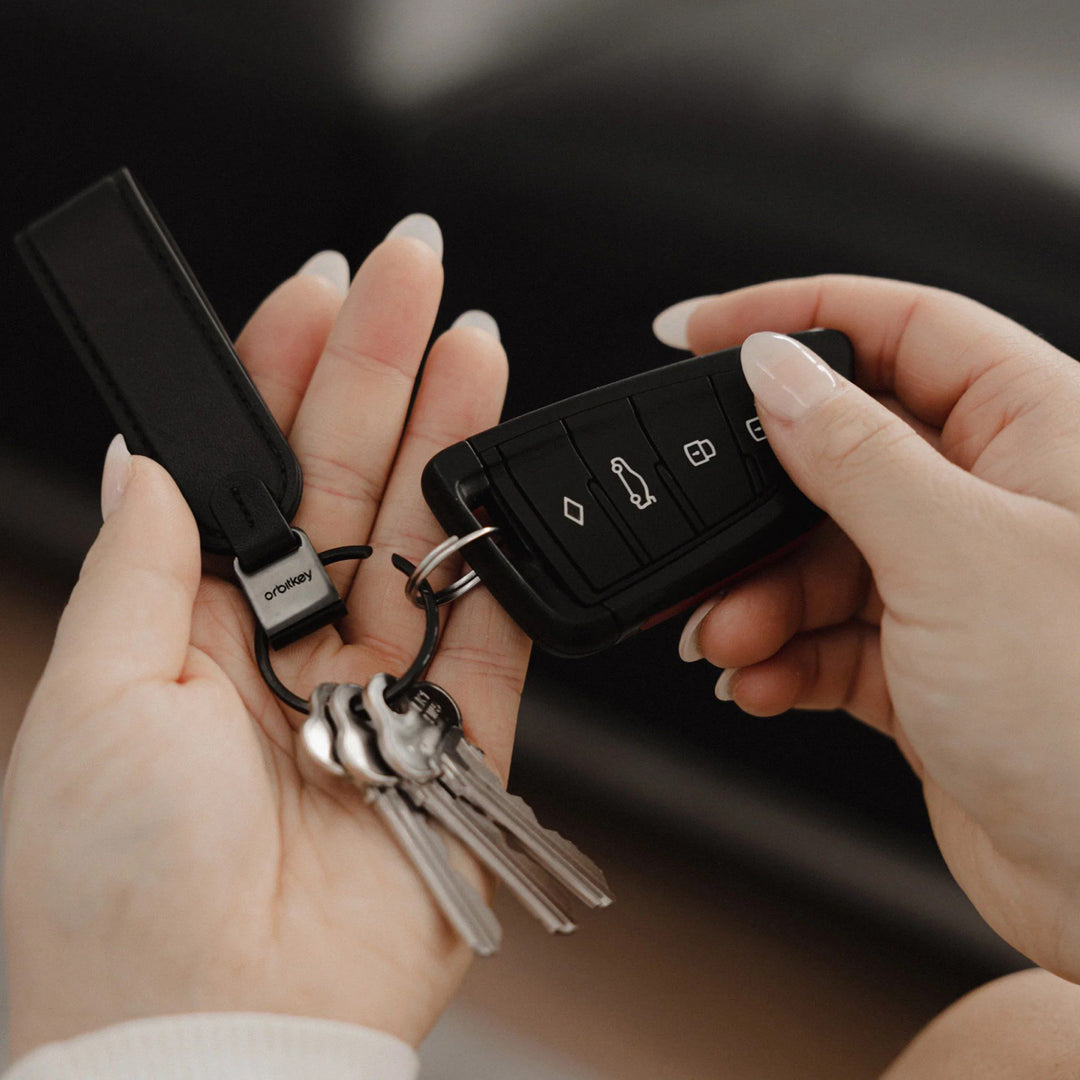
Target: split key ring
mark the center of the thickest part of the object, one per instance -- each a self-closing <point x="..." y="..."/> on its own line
<point x="438" y="555"/>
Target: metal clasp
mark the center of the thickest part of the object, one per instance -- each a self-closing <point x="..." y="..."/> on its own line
<point x="292" y="596"/>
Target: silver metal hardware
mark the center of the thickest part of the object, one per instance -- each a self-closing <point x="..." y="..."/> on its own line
<point x="288" y="594"/>
<point x="435" y="557"/>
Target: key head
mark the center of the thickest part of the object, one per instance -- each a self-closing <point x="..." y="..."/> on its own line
<point x="435" y="705"/>
<point x="411" y="741"/>
<point x="624" y="505"/>
<point x="317" y="734"/>
<point x="354" y="742"/>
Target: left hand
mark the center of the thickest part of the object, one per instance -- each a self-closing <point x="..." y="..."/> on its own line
<point x="939" y="604"/>
<point x="166" y="850"/>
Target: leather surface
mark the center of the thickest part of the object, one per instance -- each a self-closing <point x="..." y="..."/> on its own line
<point x="251" y="521"/>
<point x="161" y="360"/>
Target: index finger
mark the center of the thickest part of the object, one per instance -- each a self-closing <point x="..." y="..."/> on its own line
<point x="925" y="345"/>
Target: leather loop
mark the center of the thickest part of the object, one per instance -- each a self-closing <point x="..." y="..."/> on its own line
<point x="251" y="520"/>
<point x="157" y="353"/>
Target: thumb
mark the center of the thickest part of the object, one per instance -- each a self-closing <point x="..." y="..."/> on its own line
<point x="900" y="501"/>
<point x="129" y="616"/>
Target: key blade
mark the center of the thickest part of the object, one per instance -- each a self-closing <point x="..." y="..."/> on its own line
<point x="467" y="776"/>
<point x="469" y="826"/>
<point x="462" y="905"/>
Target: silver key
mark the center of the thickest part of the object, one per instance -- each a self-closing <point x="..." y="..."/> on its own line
<point x="410" y="740"/>
<point x="468" y="800"/>
<point x="354" y="744"/>
<point x="465" y="773"/>
<point x="462" y="905"/>
<point x="317" y="734"/>
<point x="534" y="889"/>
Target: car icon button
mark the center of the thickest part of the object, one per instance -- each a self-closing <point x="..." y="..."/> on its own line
<point x="623" y="461"/>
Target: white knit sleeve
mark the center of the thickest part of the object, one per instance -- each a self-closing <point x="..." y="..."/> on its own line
<point x="223" y="1046"/>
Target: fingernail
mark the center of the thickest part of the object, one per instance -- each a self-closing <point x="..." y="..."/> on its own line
<point x="115" y="475"/>
<point x="478" y="320"/>
<point x="329" y="266"/>
<point x="670" y="325"/>
<point x="689" y="649"/>
<point x="723" y="684"/>
<point x="422" y="227"/>
<point x="786" y="377"/>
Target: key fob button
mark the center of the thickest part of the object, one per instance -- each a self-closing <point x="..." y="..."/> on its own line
<point x="686" y="425"/>
<point x="623" y="461"/>
<point x="546" y="467"/>
<point x="738" y="404"/>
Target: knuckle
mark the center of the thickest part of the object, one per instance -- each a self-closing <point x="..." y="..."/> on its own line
<point x="368" y="363"/>
<point x="341" y="479"/>
<point x="856" y="442"/>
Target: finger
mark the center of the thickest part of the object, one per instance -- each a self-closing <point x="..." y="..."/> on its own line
<point x="825" y="583"/>
<point x="837" y="668"/>
<point x="349" y="424"/>
<point x="461" y="393"/>
<point x="283" y="339"/>
<point x="129" y="616"/>
<point x="927" y="346"/>
<point x="926" y="432"/>
<point x="908" y="509"/>
<point x="482" y="661"/>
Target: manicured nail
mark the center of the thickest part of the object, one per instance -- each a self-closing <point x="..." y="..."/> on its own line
<point x="670" y="325"/>
<point x="723" y="684"/>
<point x="689" y="649"/>
<point x="422" y="227"/>
<point x="787" y="378"/>
<point x="478" y="320"/>
<point x="331" y="267"/>
<point x="115" y="475"/>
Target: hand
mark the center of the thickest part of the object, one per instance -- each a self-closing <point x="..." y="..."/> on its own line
<point x="166" y="850"/>
<point x="941" y="605"/>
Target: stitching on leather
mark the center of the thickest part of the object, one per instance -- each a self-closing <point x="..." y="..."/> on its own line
<point x="238" y="498"/>
<point x="210" y="332"/>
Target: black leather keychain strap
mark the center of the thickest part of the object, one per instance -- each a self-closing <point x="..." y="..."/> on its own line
<point x="165" y="366"/>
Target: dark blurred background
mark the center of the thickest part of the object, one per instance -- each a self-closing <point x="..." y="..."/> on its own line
<point x="590" y="163"/>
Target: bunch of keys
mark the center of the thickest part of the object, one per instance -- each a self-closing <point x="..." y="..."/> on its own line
<point x="416" y="767"/>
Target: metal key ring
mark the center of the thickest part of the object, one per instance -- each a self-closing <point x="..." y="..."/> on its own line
<point x="435" y="557"/>
<point x="402" y="685"/>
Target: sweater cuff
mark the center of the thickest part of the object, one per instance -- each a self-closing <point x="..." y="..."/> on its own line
<point x="223" y="1046"/>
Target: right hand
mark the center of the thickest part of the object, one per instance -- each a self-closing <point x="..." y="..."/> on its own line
<point x="942" y="603"/>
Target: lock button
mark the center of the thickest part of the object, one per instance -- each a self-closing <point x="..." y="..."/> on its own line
<point x="686" y="425"/>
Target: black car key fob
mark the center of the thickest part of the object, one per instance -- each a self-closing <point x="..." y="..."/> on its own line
<point x="623" y="505"/>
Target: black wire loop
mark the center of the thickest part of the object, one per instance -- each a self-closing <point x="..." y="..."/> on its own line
<point x="413" y="673"/>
